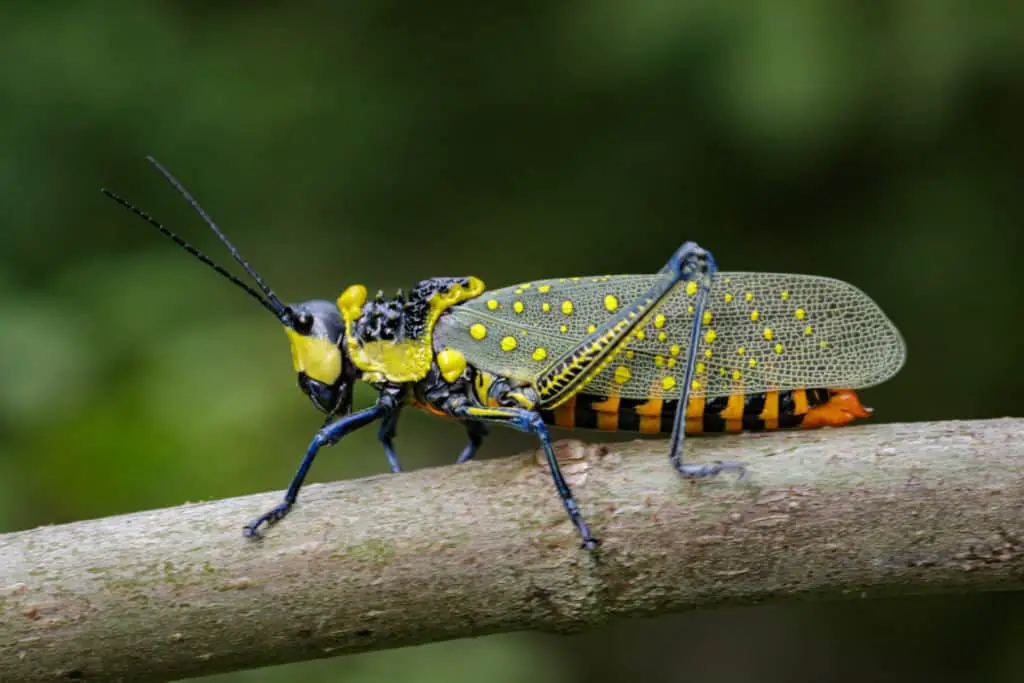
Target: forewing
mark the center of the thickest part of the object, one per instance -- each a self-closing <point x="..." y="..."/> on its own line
<point x="760" y="332"/>
<point x="520" y="331"/>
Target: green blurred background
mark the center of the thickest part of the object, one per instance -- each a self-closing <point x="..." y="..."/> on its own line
<point x="387" y="142"/>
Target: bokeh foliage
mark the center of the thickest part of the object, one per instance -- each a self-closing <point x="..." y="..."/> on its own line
<point x="387" y="142"/>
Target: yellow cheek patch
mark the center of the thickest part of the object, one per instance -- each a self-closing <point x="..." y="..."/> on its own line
<point x="315" y="356"/>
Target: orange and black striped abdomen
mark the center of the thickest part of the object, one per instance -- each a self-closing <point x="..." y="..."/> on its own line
<point x="805" y="408"/>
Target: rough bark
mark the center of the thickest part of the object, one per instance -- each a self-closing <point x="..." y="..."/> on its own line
<point x="485" y="547"/>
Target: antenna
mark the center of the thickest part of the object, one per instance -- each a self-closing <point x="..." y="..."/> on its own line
<point x="273" y="305"/>
<point x="271" y="297"/>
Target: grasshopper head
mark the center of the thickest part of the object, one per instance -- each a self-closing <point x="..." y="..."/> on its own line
<point x="315" y="328"/>
<point x="316" y="333"/>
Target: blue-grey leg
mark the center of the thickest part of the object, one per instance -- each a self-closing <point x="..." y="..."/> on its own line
<point x="327" y="436"/>
<point x="531" y="421"/>
<point x="675" y="453"/>
<point x="386" y="435"/>
<point x="476" y="432"/>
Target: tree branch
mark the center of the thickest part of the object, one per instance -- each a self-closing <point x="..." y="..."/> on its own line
<point x="486" y="547"/>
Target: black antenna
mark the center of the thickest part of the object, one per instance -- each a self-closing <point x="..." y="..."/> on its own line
<point x="274" y="306"/>
<point x="271" y="297"/>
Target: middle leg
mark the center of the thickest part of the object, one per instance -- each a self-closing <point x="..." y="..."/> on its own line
<point x="476" y="432"/>
<point x="531" y="421"/>
<point x="386" y="435"/>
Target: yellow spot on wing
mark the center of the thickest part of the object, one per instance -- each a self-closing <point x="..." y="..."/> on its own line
<point x="567" y="307"/>
<point x="808" y="330"/>
<point x="545" y="307"/>
<point x="768" y="333"/>
<point x="611" y="303"/>
<point x="669" y="382"/>
<point x="659" y="321"/>
<point x="591" y="329"/>
<point x="707" y="317"/>
<point x="508" y="343"/>
<point x="754" y="315"/>
<point x="728" y="298"/>
<point x="318" y="357"/>
<point x="492" y="304"/>
<point x="691" y="287"/>
<point x="662" y="336"/>
<point x="640" y="334"/>
<point x="800" y="314"/>
<point x="544" y="289"/>
<point x="622" y="374"/>
<point x="518" y="307"/>
<point x="477" y="331"/>
<point x="785" y="295"/>
<point x="778" y="348"/>
<point x="674" y="349"/>
<point x="563" y="329"/>
<point x="710" y="336"/>
<point x="659" y="360"/>
<point x="752" y="363"/>
<point x="736" y="374"/>
<point x="540" y="353"/>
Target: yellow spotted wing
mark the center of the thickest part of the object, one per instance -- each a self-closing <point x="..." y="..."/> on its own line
<point x="760" y="332"/>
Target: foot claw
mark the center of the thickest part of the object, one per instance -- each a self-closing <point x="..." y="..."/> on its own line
<point x="252" y="529"/>
<point x="712" y="469"/>
<point x="590" y="544"/>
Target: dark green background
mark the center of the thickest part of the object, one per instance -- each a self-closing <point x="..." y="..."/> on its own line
<point x="387" y="142"/>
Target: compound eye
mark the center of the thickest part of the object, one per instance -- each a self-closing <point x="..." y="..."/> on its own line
<point x="304" y="323"/>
